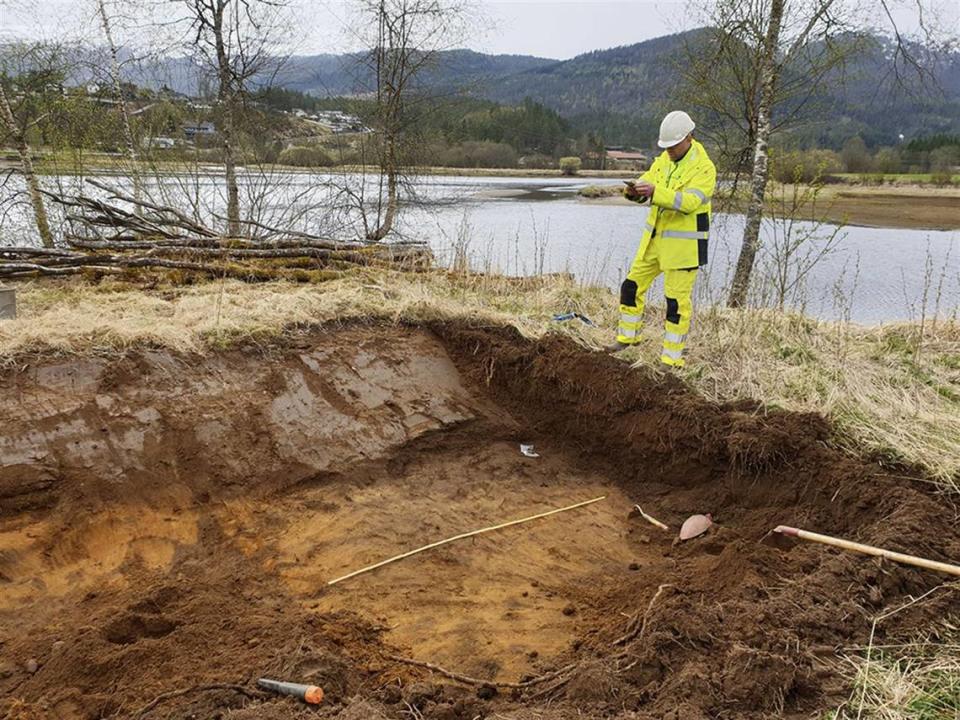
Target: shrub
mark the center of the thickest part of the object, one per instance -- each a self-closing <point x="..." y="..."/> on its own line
<point x="941" y="179"/>
<point x="570" y="165"/>
<point x="856" y="158"/>
<point x="304" y="157"/>
<point x="808" y="166"/>
<point x="944" y="158"/>
<point x="479" y="154"/>
<point x="887" y="160"/>
<point x="942" y="161"/>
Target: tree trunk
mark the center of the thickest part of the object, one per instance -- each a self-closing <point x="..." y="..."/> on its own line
<point x="230" y="166"/>
<point x="122" y="104"/>
<point x="390" y="215"/>
<point x="760" y="174"/>
<point x="26" y="167"/>
<point x="393" y="201"/>
<point x="391" y="60"/>
<point x="226" y="101"/>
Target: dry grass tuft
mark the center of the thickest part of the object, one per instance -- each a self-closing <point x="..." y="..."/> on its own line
<point x="915" y="681"/>
<point x="889" y="390"/>
<point x="77" y="318"/>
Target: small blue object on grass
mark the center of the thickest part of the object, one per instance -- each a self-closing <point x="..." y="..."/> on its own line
<point x="563" y="317"/>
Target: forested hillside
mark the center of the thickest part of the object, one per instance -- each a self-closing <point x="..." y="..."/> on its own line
<point x="620" y="93"/>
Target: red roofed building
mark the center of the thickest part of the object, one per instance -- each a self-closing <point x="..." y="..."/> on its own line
<point x="621" y="159"/>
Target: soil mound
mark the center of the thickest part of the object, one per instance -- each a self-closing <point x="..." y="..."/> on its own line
<point x="168" y="525"/>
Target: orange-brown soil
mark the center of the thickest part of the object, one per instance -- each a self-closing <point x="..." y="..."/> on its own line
<point x="169" y="523"/>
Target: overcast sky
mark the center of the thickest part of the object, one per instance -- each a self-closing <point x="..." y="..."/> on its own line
<point x="556" y="28"/>
<point x="548" y="28"/>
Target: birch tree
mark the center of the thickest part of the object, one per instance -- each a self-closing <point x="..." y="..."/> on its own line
<point x="117" y="83"/>
<point x="30" y="78"/>
<point x="237" y="43"/>
<point x="407" y="36"/>
<point x="762" y="62"/>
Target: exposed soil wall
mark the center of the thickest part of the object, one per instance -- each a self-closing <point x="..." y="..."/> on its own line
<point x="169" y="521"/>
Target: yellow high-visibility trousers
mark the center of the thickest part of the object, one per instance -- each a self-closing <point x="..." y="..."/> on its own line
<point x="678" y="291"/>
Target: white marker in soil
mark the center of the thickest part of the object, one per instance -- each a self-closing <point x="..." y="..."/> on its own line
<point x="528" y="451"/>
<point x="650" y="518"/>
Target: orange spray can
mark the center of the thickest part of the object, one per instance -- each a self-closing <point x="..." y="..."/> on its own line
<point x="310" y="694"/>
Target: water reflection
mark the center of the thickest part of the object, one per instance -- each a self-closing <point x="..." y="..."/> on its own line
<point x="530" y="225"/>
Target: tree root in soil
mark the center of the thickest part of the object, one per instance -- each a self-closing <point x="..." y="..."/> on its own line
<point x="467" y="680"/>
<point x="163" y="697"/>
<point x="637" y="625"/>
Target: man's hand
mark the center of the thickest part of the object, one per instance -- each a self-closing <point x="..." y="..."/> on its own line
<point x="644" y="189"/>
<point x="633" y="192"/>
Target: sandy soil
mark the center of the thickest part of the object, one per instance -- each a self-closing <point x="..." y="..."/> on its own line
<point x="168" y="523"/>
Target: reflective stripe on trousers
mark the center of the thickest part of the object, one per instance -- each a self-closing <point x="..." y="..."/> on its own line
<point x="678" y="289"/>
<point x="673" y="345"/>
<point x="674" y="358"/>
<point x="629" y="328"/>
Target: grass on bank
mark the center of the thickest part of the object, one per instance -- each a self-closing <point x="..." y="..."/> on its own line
<point x="891" y="390"/>
<point x="913" y="681"/>
<point x="876" y="178"/>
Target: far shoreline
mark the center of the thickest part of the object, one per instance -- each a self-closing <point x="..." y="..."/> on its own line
<point x="899" y="203"/>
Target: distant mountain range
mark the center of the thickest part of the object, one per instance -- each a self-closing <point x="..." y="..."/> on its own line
<point x="345" y="75"/>
<point x="630" y="86"/>
<point x="622" y="92"/>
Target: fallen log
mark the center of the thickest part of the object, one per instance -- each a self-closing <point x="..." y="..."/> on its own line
<point x="22" y="251"/>
<point x="13" y="270"/>
<point x="107" y="238"/>
<point x="241" y="263"/>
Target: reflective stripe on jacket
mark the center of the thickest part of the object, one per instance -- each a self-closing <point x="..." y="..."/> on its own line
<point x="680" y="210"/>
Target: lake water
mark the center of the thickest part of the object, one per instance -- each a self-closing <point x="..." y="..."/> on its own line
<point x="532" y="225"/>
<point x="868" y="275"/>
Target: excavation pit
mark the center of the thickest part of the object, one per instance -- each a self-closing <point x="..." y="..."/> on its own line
<point x="170" y="522"/>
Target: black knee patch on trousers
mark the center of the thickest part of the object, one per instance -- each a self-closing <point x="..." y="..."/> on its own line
<point x="673" y="311"/>
<point x="628" y="293"/>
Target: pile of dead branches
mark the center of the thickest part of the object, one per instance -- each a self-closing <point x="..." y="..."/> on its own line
<point x="115" y="235"/>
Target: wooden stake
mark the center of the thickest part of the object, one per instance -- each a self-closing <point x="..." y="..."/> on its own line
<point x="869" y="550"/>
<point x="461" y="537"/>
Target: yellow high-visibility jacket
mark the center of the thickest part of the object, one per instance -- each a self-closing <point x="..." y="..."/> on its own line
<point x="680" y="210"/>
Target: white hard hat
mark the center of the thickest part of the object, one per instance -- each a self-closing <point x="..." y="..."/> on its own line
<point x="674" y="128"/>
